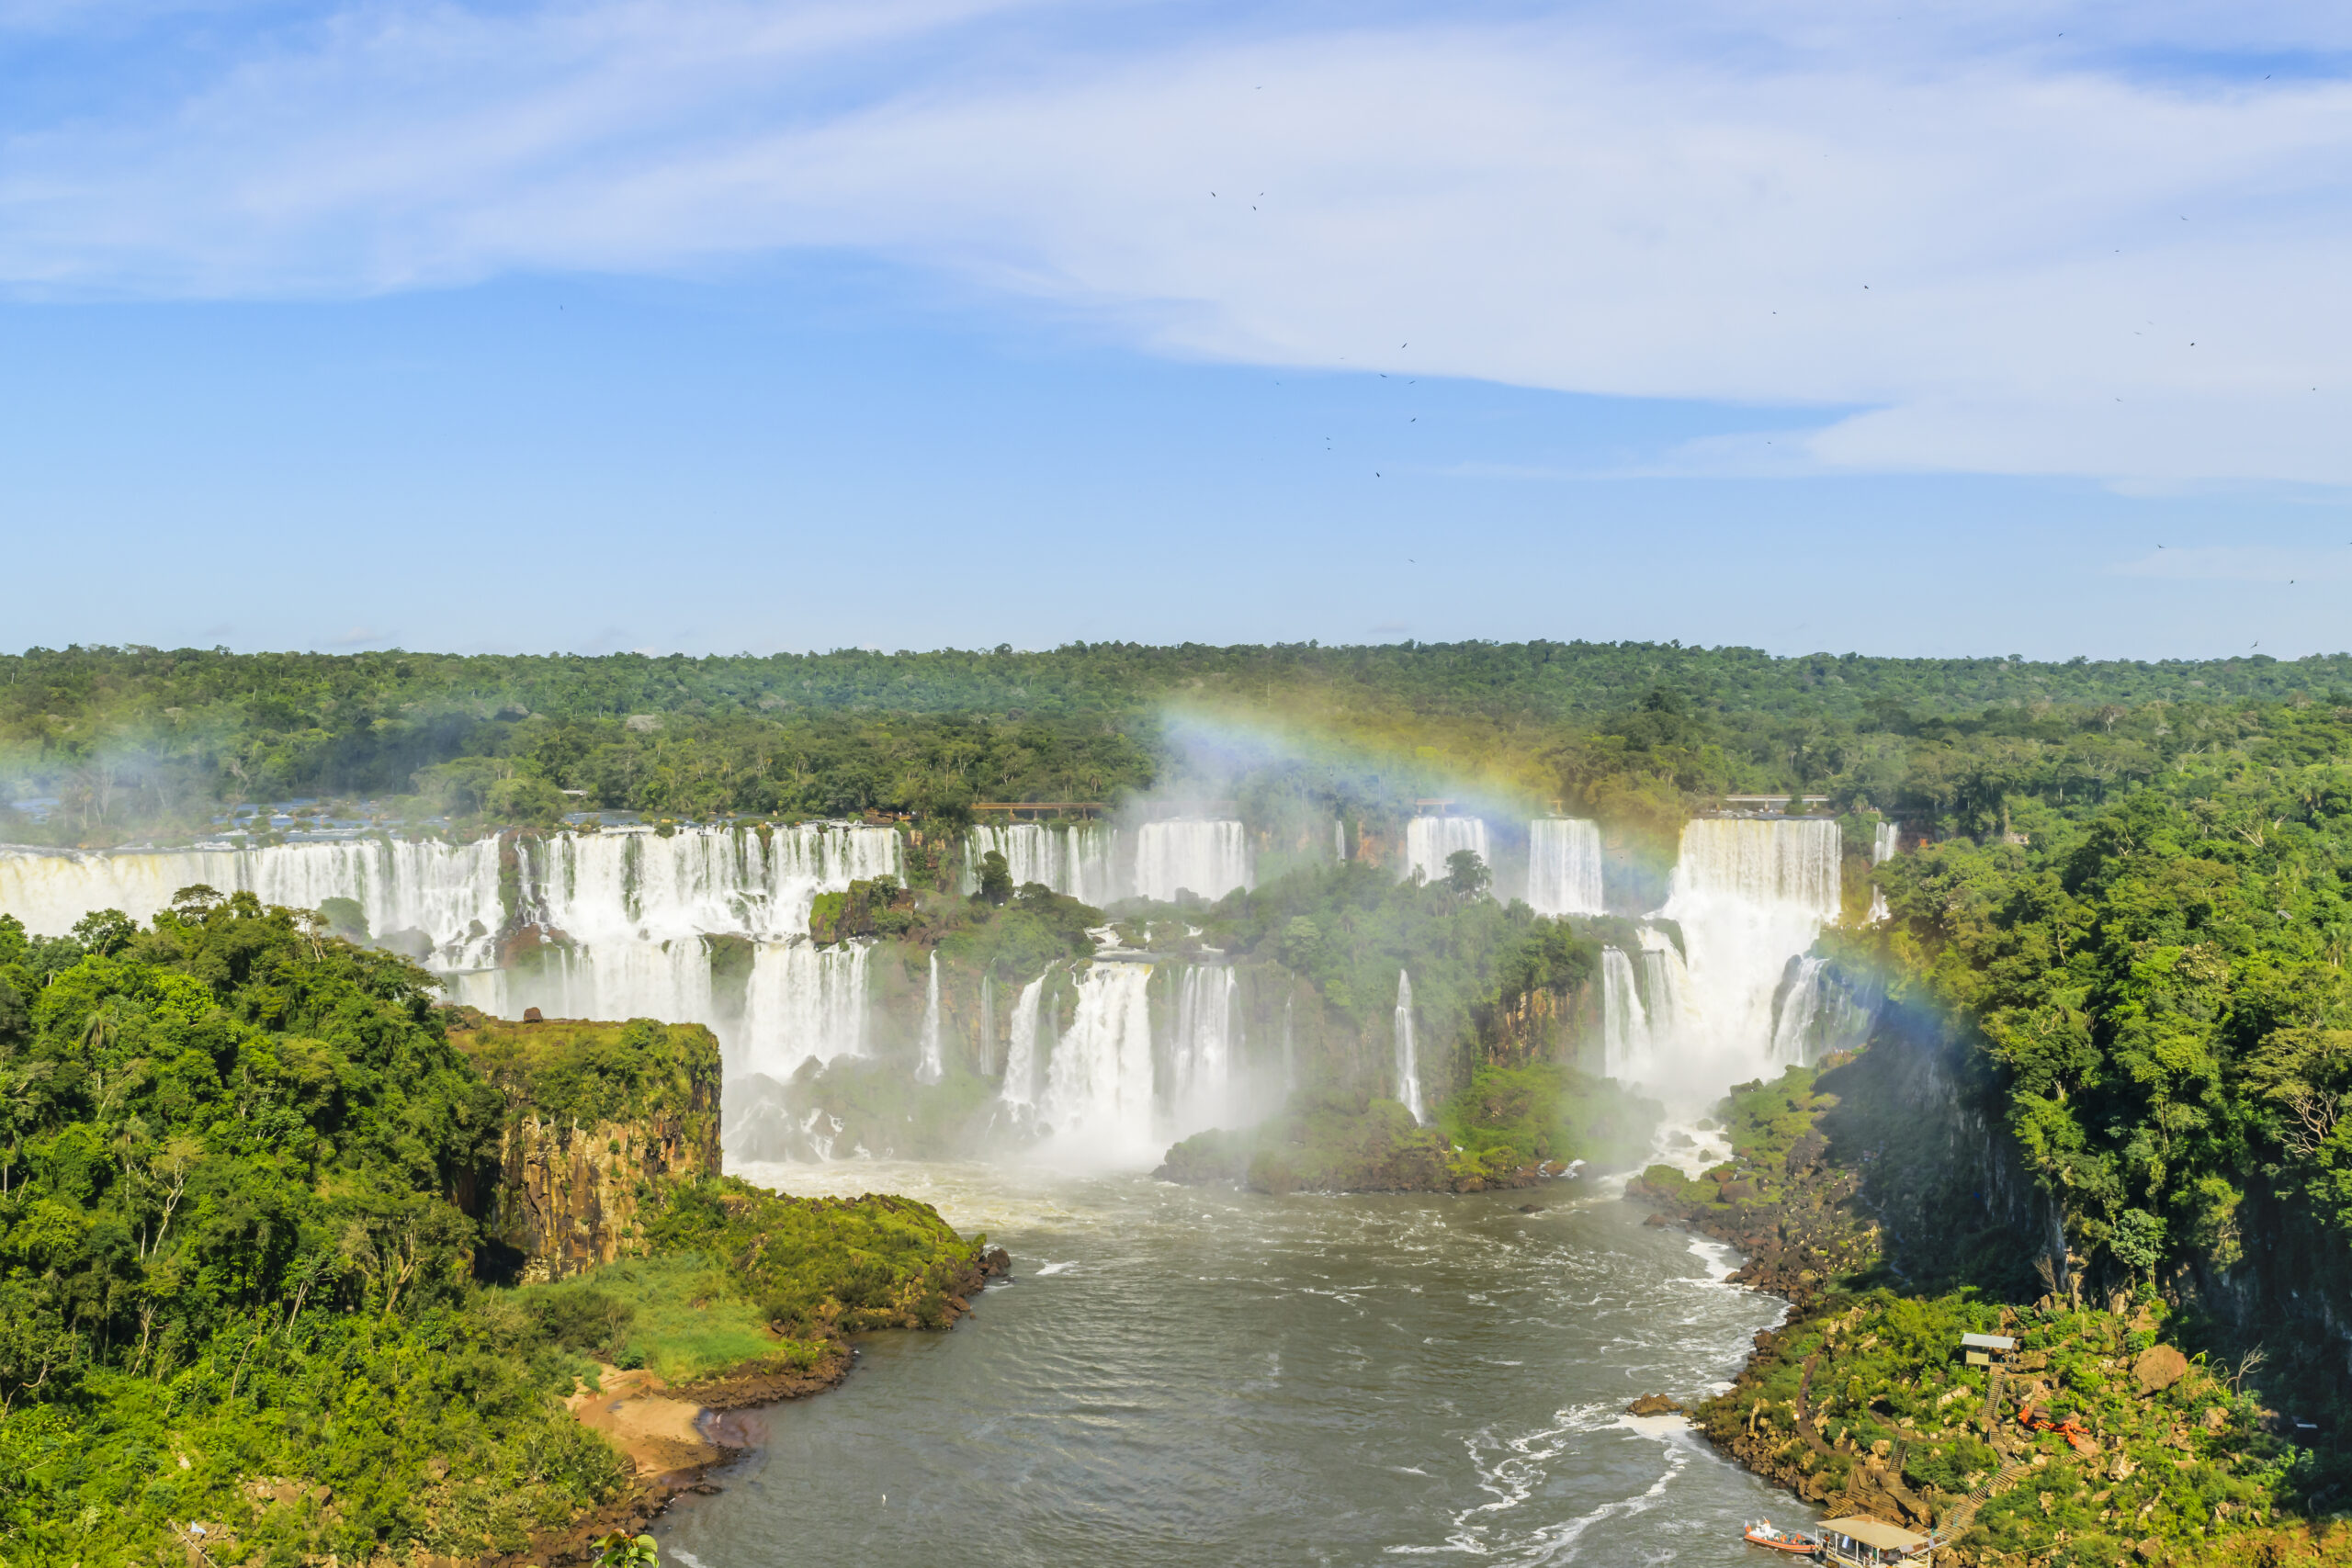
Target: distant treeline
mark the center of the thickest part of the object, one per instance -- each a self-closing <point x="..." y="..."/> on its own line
<point x="132" y="741"/>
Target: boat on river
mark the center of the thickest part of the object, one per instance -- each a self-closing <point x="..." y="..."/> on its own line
<point x="1764" y="1532"/>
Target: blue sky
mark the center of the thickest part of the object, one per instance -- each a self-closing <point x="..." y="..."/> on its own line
<point x="1906" y="329"/>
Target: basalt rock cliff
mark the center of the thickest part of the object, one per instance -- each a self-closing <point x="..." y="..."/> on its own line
<point x="599" y="1118"/>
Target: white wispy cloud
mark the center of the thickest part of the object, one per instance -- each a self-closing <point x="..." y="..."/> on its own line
<point x="2014" y="255"/>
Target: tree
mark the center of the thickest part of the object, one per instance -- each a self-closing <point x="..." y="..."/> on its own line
<point x="1302" y="944"/>
<point x="996" y="878"/>
<point x="620" y="1549"/>
<point x="1466" y="873"/>
<point x="346" y="918"/>
<point x="105" y="933"/>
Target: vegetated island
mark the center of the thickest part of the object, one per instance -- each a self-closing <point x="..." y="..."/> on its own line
<point x="2099" y="1118"/>
<point x="297" y="1266"/>
<point x="1513" y="1126"/>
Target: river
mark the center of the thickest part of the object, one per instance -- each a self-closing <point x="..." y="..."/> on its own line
<point x="1200" y="1374"/>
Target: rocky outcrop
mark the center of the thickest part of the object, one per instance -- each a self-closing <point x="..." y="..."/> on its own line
<point x="599" y="1119"/>
<point x="879" y="908"/>
<point x="1336" y="1145"/>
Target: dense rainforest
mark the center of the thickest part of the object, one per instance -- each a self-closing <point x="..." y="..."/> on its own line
<point x="245" y="1200"/>
<point x="113" y="745"/>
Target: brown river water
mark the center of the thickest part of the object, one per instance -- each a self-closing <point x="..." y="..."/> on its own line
<point x="1185" y="1375"/>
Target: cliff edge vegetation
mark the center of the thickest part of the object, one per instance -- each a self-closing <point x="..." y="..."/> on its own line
<point x="2096" y="1439"/>
<point x="247" y="1180"/>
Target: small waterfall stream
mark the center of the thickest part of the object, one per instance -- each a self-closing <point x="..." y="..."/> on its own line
<point x="931" y="1066"/>
<point x="1885" y="840"/>
<point x="1408" y="1052"/>
<point x="1020" y="1088"/>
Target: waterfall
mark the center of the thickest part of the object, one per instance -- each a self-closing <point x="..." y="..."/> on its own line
<point x="1749" y="896"/>
<point x="1429" y="840"/>
<point x="1624" y="1027"/>
<point x="1206" y="1048"/>
<point x="621" y="886"/>
<point x="988" y="1020"/>
<point x="634" y="883"/>
<point x="1290" y="1050"/>
<point x="670" y="980"/>
<point x="1884" y="840"/>
<point x="1099" y="1090"/>
<point x="632" y="912"/>
<point x="930" y="1068"/>
<point x="1822" y="1011"/>
<point x="446" y="892"/>
<point x="1019" y="1089"/>
<point x="1079" y="860"/>
<point x="804" y="1001"/>
<point x="1666" y="987"/>
<point x="1563" y="866"/>
<point x="1339" y="841"/>
<point x="1210" y="859"/>
<point x="1408" y="1054"/>
<point x="1798" y="1001"/>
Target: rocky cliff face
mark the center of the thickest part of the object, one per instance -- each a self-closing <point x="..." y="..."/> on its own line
<point x="1544" y="1025"/>
<point x="1934" y="1163"/>
<point x="599" y="1118"/>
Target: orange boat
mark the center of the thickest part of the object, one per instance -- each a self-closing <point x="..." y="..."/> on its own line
<point x="1764" y="1532"/>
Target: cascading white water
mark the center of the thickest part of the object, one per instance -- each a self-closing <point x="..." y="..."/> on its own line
<point x="637" y="885"/>
<point x="1625" y="1024"/>
<point x="1886" y="839"/>
<point x="1210" y="859"/>
<point x="1429" y="840"/>
<point x="621" y="887"/>
<point x="1081" y="860"/>
<point x="635" y="905"/>
<point x="1749" y="896"/>
<point x="1099" y="1089"/>
<point x="1822" y="1011"/>
<point x="1409" y="1051"/>
<point x="1339" y="841"/>
<point x="988" y="1020"/>
<point x="1799" y="1001"/>
<point x="1020" y="1088"/>
<point x="1665" y="987"/>
<point x="931" y="1065"/>
<point x="803" y="1002"/>
<point x="668" y="979"/>
<point x="449" y="892"/>
<point x="1564" y="866"/>
<point x="1205" y="1050"/>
